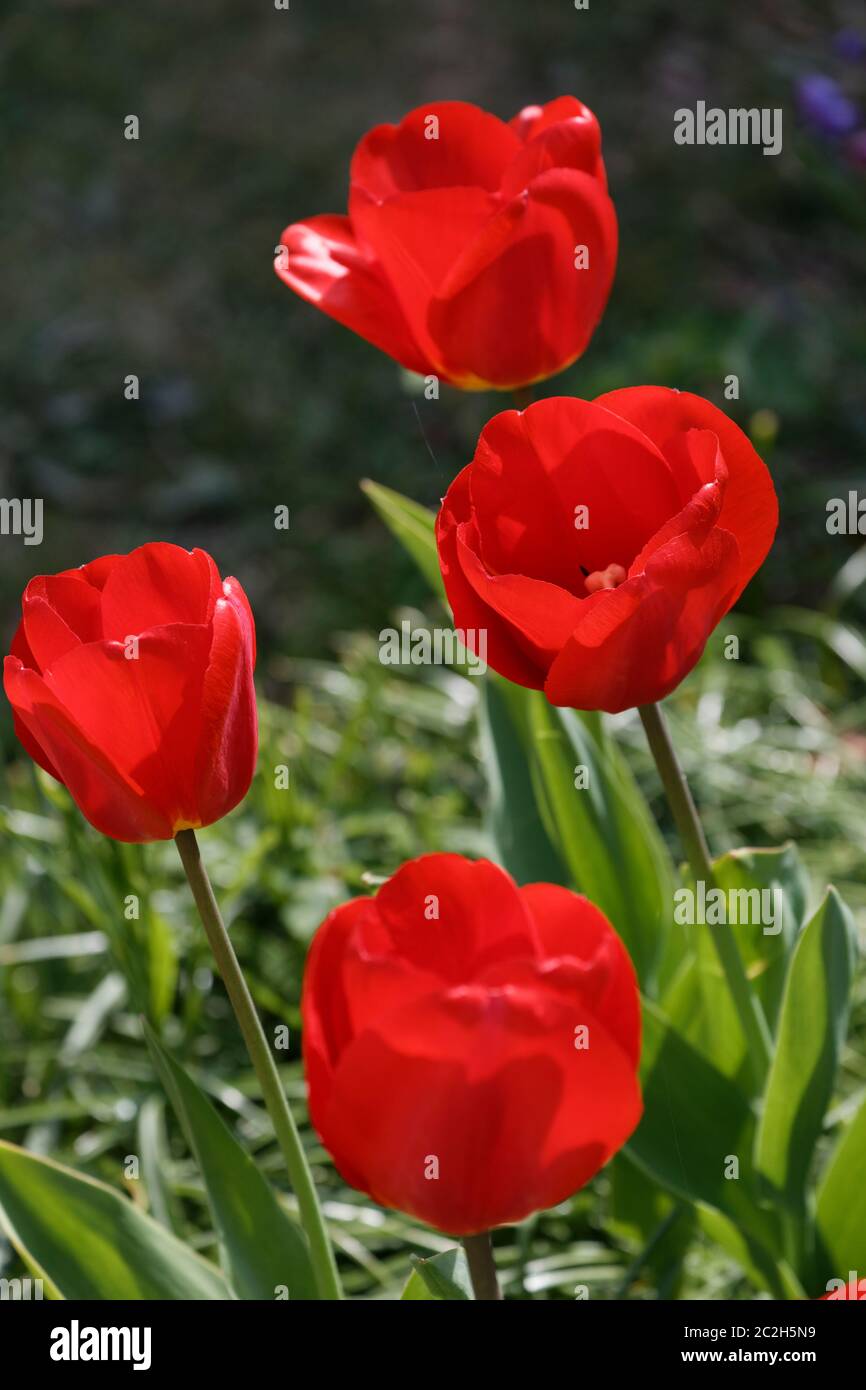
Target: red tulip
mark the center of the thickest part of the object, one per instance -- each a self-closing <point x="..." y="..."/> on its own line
<point x="471" y="1047"/>
<point x="599" y="543"/>
<point x="460" y="256"/>
<point x="131" y="680"/>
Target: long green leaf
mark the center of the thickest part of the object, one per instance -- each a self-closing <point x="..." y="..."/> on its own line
<point x="413" y="525"/>
<point x="522" y="843"/>
<point x="697" y="1131"/>
<point x="262" y="1250"/>
<point x="812" y="1025"/>
<point x="603" y="831"/>
<point x="698" y="1002"/>
<point x="89" y="1242"/>
<point x="841" y="1214"/>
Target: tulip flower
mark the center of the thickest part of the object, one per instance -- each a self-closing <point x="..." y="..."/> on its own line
<point x="599" y="543"/>
<point x="477" y="251"/>
<point x="471" y="1047"/>
<point x="131" y="681"/>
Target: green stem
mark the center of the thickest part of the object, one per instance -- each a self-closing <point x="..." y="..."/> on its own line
<point x="482" y="1267"/>
<point x="321" y="1251"/>
<point x="691" y="832"/>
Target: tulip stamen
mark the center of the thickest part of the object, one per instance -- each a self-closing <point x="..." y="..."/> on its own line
<point x="610" y="578"/>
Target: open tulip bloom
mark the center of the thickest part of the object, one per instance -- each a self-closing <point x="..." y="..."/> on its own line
<point x="598" y="543"/>
<point x="476" y="250"/>
<point x="471" y="1047"/>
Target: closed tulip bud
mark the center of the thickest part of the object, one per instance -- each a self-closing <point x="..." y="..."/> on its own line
<point x="131" y="681"/>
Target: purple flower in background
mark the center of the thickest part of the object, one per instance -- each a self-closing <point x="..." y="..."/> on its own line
<point x="850" y="44"/>
<point x="825" y="106"/>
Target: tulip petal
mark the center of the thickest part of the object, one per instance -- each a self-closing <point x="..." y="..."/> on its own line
<point x="634" y="644"/>
<point x="750" y="510"/>
<point x="534" y="120"/>
<point x="416" y="239"/>
<point x="525" y="258"/>
<point x="488" y="1083"/>
<point x="142" y="713"/>
<point x="227" y="719"/>
<point x="469" y="611"/>
<point x="157" y="585"/>
<point x="59" y="611"/>
<point x="533" y="470"/>
<point x="326" y="267"/>
<point x="570" y="926"/>
<point x="570" y="142"/>
<point x="453" y="917"/>
<point x="541" y="616"/>
<point x="108" y="798"/>
<point x="446" y="144"/>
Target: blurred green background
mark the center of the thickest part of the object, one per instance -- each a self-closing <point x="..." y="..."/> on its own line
<point x="155" y="258"/>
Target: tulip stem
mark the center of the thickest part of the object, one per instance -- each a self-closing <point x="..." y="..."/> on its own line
<point x="482" y="1267"/>
<point x="321" y="1250"/>
<point x="691" y="832"/>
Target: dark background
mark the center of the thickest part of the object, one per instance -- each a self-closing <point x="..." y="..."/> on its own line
<point x="155" y="258"/>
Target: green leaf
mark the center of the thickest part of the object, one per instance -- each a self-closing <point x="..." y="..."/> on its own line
<point x="696" y="1122"/>
<point x="414" y="527"/>
<point x="603" y="830"/>
<point x="698" y="1001"/>
<point x="444" y="1277"/>
<point x="841" y="1211"/>
<point x="523" y="846"/>
<point x="261" y="1247"/>
<point x="812" y="1025"/>
<point x="89" y="1242"/>
<point x="153" y="1150"/>
<point x="762" y="1267"/>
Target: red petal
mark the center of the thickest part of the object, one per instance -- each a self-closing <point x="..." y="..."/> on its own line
<point x="326" y="267"/>
<point x="750" y="511"/>
<point x="228" y="737"/>
<point x="514" y="309"/>
<point x="534" y="120"/>
<point x="416" y="239"/>
<point x="488" y="1082"/>
<point x="106" y="796"/>
<point x="540" y="616"/>
<point x="142" y="713"/>
<point x="479" y="916"/>
<point x="569" y="142"/>
<point x="532" y="470"/>
<point x="570" y="926"/>
<point x="634" y="644"/>
<point x="503" y="653"/>
<point x="472" y="150"/>
<point x="156" y="585"/>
